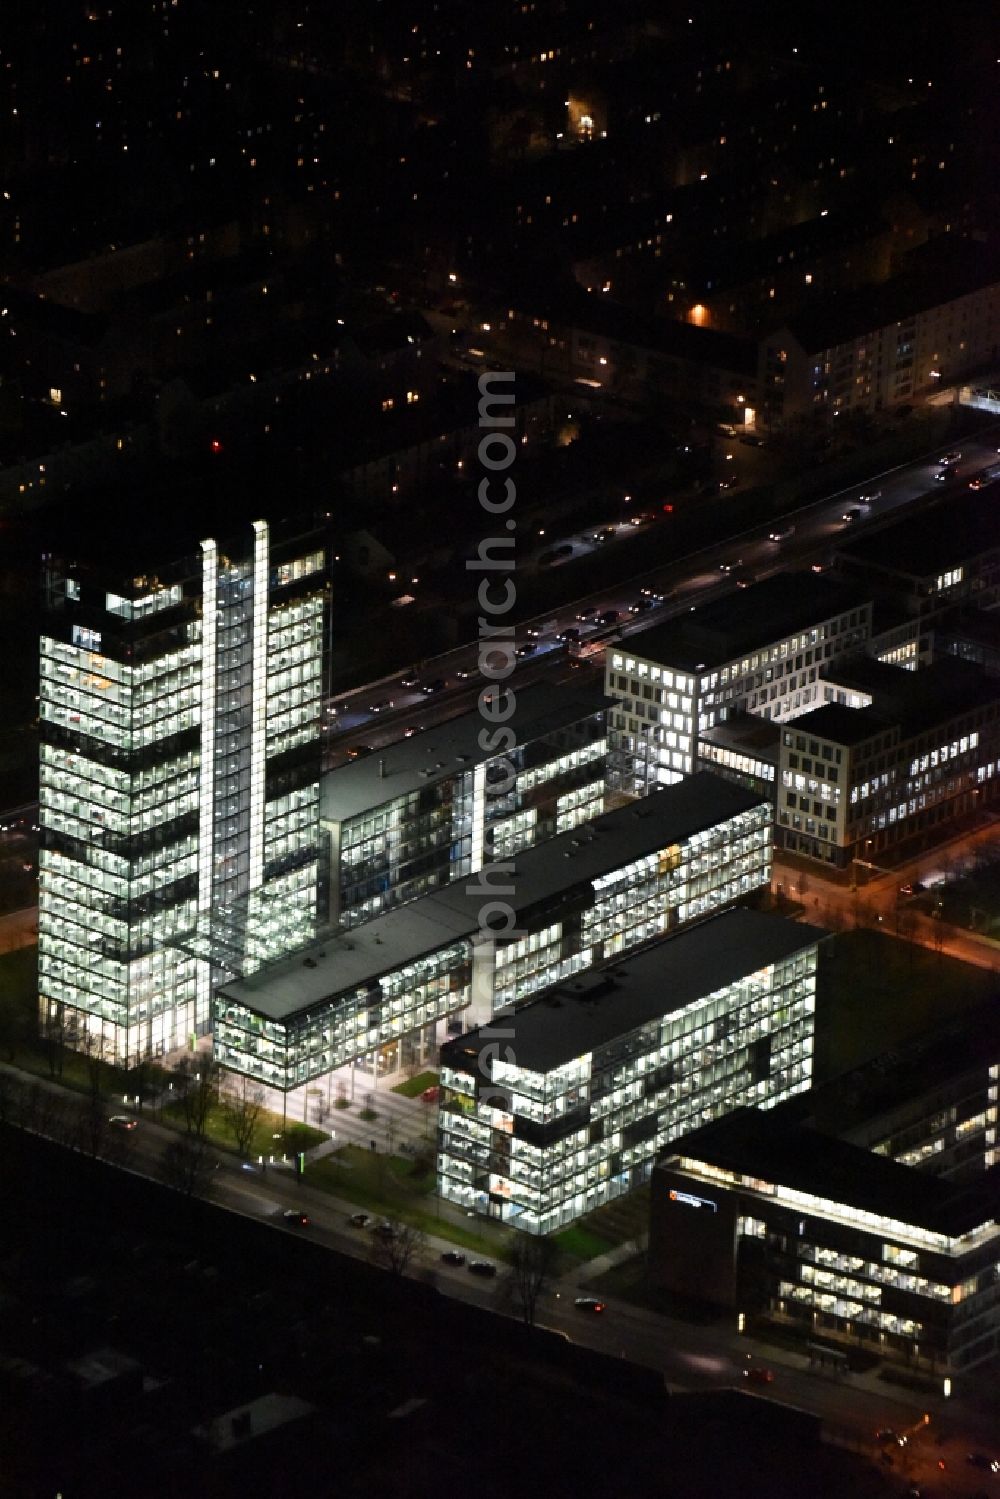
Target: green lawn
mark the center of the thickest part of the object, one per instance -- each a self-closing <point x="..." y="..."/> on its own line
<point x="414" y="1086"/>
<point x="578" y="1243"/>
<point x="268" y="1137"/>
<point x="876" y="992"/>
<point x="397" y="1187"/>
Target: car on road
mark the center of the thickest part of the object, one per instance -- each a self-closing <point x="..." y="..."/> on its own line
<point x="643" y="518"/>
<point x="727" y="567"/>
<point x="463" y="673"/>
<point x="944" y="474"/>
<point x="589" y="1304"/>
<point x="606" y="533"/>
<point x="356" y="751"/>
<point x="382" y="706"/>
<point x="411" y="729"/>
<point x="410" y="681"/>
<point x="453" y="1257"/>
<point x="123" y="1121"/>
<point x="384" y="1229"/>
<point x="980" y="1460"/>
<point x="979" y="481"/>
<point x="568" y="635"/>
<point x="852" y="516"/>
<point x="950" y="459"/>
<point x="527" y="649"/>
<point x="911" y="887"/>
<point x="759" y="1375"/>
<point x="869" y="497"/>
<point x="651" y="593"/>
<point x="429" y="688"/>
<point x="482" y="1267"/>
<point x="589" y="615"/>
<point x="751" y="440"/>
<point x="729" y="480"/>
<point x="744" y="577"/>
<point x="295" y="1219"/>
<point x="360" y="1220"/>
<point x="889" y="1438"/>
<point x="609" y="617"/>
<point x="782" y="533"/>
<point x="555" y="554"/>
<point x="640" y="605"/>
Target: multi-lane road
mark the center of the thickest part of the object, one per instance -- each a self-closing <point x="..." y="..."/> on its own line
<point x="811" y="536"/>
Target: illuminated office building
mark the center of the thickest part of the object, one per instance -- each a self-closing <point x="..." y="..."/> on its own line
<point x="762" y="651"/>
<point x="562" y="1105"/>
<point x="435" y="807"/>
<point x="757" y="1214"/>
<point x="383" y="995"/>
<point x="179" y="800"/>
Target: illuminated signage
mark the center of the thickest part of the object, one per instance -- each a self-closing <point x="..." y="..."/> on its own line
<point x="694" y="1202"/>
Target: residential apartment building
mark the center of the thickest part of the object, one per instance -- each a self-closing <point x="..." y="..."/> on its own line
<point x="877" y="348"/>
<point x="434" y="807"/>
<point x="179" y="782"/>
<point x="760" y="1216"/>
<point x="595" y="1076"/>
<point x="891" y="756"/>
<point x="762" y="652"/>
<point x="383" y="995"/>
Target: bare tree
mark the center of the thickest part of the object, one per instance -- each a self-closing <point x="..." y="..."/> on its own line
<point x="242" y="1102"/>
<point x="397" y="1246"/>
<point x="531" y="1264"/>
<point x="94" y="1119"/>
<point x="187" y="1165"/>
<point x="199" y="1092"/>
<point x="54" y="1037"/>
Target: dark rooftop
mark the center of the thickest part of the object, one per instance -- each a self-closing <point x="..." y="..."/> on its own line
<point x="449" y="749"/>
<point x="841" y="725"/>
<point x="915" y="700"/>
<point x="961" y="527"/>
<point x="760" y="1144"/>
<point x="745" y="621"/>
<point x="341" y="962"/>
<point x="593" y="1009"/>
<point x="928" y="281"/>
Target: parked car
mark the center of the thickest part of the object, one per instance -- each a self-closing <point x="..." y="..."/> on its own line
<point x="453" y="1257"/>
<point x="482" y="1267"/>
<point x="123" y="1121"/>
<point x="589" y="1304"/>
<point x="360" y="1220"/>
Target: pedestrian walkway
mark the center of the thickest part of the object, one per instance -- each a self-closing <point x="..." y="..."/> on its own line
<point x="599" y="1264"/>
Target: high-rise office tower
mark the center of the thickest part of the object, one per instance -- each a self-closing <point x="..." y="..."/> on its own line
<point x="179" y="803"/>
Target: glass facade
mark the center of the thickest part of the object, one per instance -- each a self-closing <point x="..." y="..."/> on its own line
<point x="584" y="923"/>
<point x="539" y="1149"/>
<point x="179" y="835"/>
<point x="398" y="850"/>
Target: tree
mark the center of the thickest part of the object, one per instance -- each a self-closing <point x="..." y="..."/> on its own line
<point x="531" y="1263"/>
<point x="94" y="1120"/>
<point x="242" y="1102"/>
<point x="199" y="1092"/>
<point x="397" y="1246"/>
<point x="187" y="1165"/>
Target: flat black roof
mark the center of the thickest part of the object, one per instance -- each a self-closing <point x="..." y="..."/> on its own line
<point x="933" y="279"/>
<point x="745" y="620"/>
<point x="449" y="749"/>
<point x="944" y="536"/>
<point x="760" y="1143"/>
<point x="342" y="961"/>
<point x="912" y="700"/>
<point x="589" y="1011"/>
